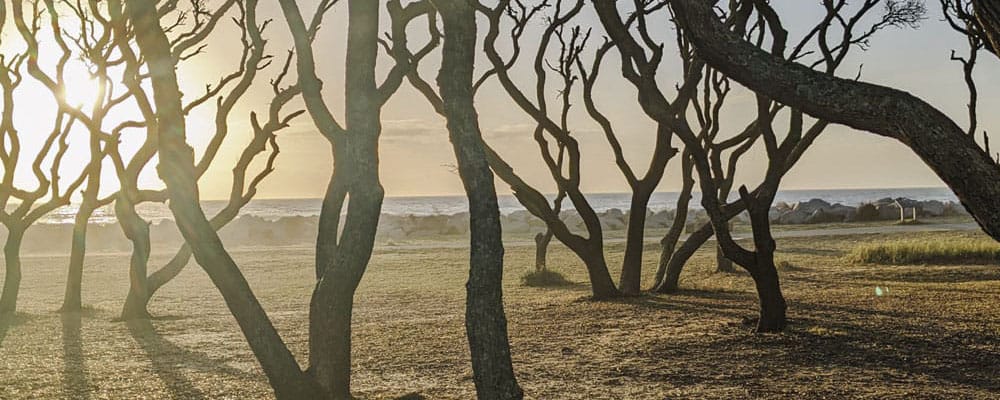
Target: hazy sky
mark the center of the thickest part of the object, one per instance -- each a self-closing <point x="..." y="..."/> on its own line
<point x="416" y="155"/>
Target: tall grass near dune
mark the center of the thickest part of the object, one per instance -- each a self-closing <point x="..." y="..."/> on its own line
<point x="924" y="251"/>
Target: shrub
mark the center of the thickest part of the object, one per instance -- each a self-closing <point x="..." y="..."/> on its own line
<point x="866" y="212"/>
<point x="977" y="251"/>
<point x="543" y="278"/>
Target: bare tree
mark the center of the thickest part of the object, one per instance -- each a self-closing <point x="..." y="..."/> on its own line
<point x="48" y="195"/>
<point x="94" y="47"/>
<point x="824" y="47"/>
<point x="177" y="168"/>
<point x="355" y="166"/>
<point x="961" y="15"/>
<point x="562" y="160"/>
<point x="954" y="156"/>
<point x="641" y="58"/>
<point x="229" y="89"/>
<point x="341" y="261"/>
<point x="486" y="324"/>
<point x="244" y="187"/>
<point x="570" y="68"/>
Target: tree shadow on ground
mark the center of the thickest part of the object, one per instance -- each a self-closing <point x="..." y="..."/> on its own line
<point x="8" y="321"/>
<point x="169" y="360"/>
<point x="897" y="349"/>
<point x="74" y="376"/>
<point x="911" y="347"/>
<point x="941" y="275"/>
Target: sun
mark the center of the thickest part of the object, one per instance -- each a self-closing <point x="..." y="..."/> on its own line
<point x="82" y="90"/>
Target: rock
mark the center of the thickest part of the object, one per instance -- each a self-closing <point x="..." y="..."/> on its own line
<point x="811" y="206"/>
<point x="815" y="211"/>
<point x="823" y="217"/>
<point x="662" y="219"/>
<point x="572" y="220"/>
<point x="458" y="223"/>
<point x="794" y="217"/>
<point x="932" y="208"/>
<point x="612" y="219"/>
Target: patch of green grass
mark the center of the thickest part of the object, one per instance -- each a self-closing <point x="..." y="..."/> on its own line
<point x="544" y="278"/>
<point x="928" y="251"/>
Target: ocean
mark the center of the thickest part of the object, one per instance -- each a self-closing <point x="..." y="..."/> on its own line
<point x="273" y="209"/>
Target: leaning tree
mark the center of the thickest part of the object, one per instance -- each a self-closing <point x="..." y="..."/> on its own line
<point x="640" y="60"/>
<point x="228" y="91"/>
<point x="341" y="262"/>
<point x="941" y="143"/>
<point x="824" y="47"/>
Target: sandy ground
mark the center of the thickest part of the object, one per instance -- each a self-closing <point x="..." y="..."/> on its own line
<point x="935" y="333"/>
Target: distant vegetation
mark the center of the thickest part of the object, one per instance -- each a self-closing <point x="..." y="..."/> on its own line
<point x="544" y="278"/>
<point x="977" y="251"/>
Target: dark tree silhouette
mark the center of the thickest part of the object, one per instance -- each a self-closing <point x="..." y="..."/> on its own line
<point x="639" y="61"/>
<point x="341" y="260"/>
<point x="945" y="147"/>
<point x="824" y="47"/>
<point x="485" y="322"/>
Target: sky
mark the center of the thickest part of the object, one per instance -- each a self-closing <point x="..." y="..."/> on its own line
<point x="417" y="159"/>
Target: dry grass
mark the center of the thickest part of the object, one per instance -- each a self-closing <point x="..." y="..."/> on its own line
<point x="543" y="278"/>
<point x="928" y="251"/>
<point x="933" y="335"/>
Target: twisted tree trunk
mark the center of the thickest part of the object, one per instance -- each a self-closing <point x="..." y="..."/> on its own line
<point x="356" y="166"/>
<point x="669" y="242"/>
<point x="679" y="258"/>
<point x="542" y="241"/>
<point x="136" y="230"/>
<point x="631" y="276"/>
<point x="943" y="145"/>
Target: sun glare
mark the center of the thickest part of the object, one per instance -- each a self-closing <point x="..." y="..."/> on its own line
<point x="82" y="90"/>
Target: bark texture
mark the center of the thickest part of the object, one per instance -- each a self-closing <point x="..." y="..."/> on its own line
<point x="485" y="322"/>
<point x="988" y="15"/>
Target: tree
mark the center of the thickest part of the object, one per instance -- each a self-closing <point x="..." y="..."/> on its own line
<point x="824" y="48"/>
<point x="486" y="324"/>
<point x="48" y="195"/>
<point x="341" y="261"/>
<point x="229" y="89"/>
<point x="946" y="148"/>
<point x="961" y="15"/>
<point x="355" y="173"/>
<point x="571" y="68"/>
<point x="639" y="61"/>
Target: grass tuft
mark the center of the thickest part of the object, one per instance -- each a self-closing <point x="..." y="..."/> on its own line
<point x="544" y="278"/>
<point x="785" y="265"/>
<point x="979" y="251"/>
